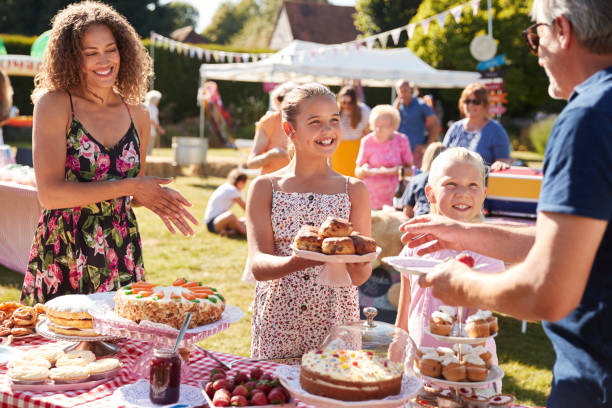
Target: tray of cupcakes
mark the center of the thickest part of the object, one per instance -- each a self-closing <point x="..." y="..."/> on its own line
<point x="456" y="366"/>
<point x="17" y="320"/>
<point x="334" y="241"/>
<point x="434" y="396"/>
<point x="52" y="369"/>
<point x="444" y="326"/>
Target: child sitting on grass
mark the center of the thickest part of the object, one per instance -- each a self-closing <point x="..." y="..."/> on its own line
<point x="218" y="217"/>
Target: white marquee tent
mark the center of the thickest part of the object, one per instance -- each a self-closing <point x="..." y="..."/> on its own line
<point x="304" y="61"/>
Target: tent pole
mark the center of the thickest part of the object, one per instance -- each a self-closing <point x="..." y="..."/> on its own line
<point x="202" y="114"/>
<point x="490" y="19"/>
<point x="393" y="96"/>
<point x="152" y="52"/>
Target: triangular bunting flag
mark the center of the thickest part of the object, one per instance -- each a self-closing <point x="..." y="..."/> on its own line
<point x="358" y="45"/>
<point x="192" y="52"/>
<point x="301" y="57"/>
<point x="185" y="51"/>
<point x="410" y="30"/>
<point x="440" y="19"/>
<point x="200" y="52"/>
<point x="207" y="55"/>
<point x="425" y="25"/>
<point x="456" y="12"/>
<point x="475" y="6"/>
<point x="384" y="39"/>
<point x="172" y="45"/>
<point x="395" y="34"/>
<point x="222" y="55"/>
<point x="216" y="56"/>
<point x="238" y="58"/>
<point x="245" y="56"/>
<point x="370" y="42"/>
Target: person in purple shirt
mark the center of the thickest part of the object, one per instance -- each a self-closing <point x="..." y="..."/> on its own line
<point x="477" y="132"/>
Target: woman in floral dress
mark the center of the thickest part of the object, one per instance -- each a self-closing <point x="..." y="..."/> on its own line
<point x="89" y="168"/>
<point x="293" y="310"/>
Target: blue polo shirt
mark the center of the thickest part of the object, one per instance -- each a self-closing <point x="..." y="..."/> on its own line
<point x="415" y="196"/>
<point x="491" y="142"/>
<point x="412" y="122"/>
<point x="578" y="181"/>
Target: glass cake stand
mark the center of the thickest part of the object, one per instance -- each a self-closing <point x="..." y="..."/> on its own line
<point x="157" y="335"/>
<point x="101" y="346"/>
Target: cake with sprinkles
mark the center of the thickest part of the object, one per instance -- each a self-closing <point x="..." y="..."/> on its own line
<point x="170" y="304"/>
<point x="350" y="375"/>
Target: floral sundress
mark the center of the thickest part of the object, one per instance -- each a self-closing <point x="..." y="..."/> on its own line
<point x="94" y="248"/>
<point x="293" y="314"/>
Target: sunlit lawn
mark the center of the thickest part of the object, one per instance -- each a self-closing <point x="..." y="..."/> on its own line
<point x="525" y="358"/>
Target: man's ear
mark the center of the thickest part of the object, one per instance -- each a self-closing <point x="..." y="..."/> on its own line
<point x="564" y="31"/>
<point x="430" y="195"/>
<point x="288" y="129"/>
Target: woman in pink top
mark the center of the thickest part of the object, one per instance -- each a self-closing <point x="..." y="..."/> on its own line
<point x="381" y="154"/>
<point x="455" y="189"/>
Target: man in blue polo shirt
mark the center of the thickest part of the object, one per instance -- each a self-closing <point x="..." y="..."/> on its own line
<point x="563" y="271"/>
<point x="416" y="117"/>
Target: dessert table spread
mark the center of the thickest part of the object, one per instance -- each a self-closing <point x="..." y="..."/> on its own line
<point x="19" y="215"/>
<point x="102" y="396"/>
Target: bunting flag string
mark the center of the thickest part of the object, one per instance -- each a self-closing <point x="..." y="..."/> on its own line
<point x="367" y="42"/>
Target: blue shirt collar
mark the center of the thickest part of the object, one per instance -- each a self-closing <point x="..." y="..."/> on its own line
<point x="603" y="75"/>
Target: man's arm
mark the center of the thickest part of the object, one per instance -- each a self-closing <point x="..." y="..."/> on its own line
<point x="508" y="243"/>
<point x="432" y="124"/>
<point x="548" y="285"/>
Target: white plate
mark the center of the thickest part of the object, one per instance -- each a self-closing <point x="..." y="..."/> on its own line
<point x="318" y="256"/>
<point x="495" y="373"/>
<point x="413" y="265"/>
<point x="459" y="339"/>
<point x="8" y="354"/>
<point x="289" y="377"/>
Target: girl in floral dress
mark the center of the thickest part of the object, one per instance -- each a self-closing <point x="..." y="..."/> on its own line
<point x="293" y="311"/>
<point x="89" y="142"/>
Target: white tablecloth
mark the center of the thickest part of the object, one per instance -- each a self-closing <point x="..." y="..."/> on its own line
<point x="19" y="215"/>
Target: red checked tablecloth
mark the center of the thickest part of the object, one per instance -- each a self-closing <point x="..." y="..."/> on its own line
<point x="102" y="395"/>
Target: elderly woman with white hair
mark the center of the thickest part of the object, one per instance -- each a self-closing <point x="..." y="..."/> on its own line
<point x="152" y="101"/>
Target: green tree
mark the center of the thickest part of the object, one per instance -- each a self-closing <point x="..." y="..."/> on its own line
<point x="229" y="19"/>
<point x="448" y="48"/>
<point x="375" y="16"/>
<point x="32" y="17"/>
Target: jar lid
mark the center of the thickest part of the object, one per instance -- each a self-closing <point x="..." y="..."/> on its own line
<point x="165" y="352"/>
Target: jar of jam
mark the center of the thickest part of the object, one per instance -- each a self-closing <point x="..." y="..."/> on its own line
<point x="165" y="379"/>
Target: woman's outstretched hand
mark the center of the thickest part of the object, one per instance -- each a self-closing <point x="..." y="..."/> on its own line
<point x="427" y="228"/>
<point x="167" y="203"/>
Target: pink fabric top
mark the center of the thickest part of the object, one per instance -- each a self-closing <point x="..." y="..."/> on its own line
<point x="394" y="152"/>
<point x="423" y="303"/>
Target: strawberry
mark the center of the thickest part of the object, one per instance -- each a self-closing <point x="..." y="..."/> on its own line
<point x="210" y="390"/>
<point x="256" y="372"/>
<point x="466" y="259"/>
<point x="220" y="384"/>
<point x="263" y="385"/>
<point x="240" y="390"/>
<point x="238" y="401"/>
<point x="240" y="378"/>
<point x="222" y="398"/>
<point x="268" y="376"/>
<point x="250" y="385"/>
<point x="259" y="398"/>
<point x="277" y="396"/>
<point x="216" y="371"/>
<point x="218" y="376"/>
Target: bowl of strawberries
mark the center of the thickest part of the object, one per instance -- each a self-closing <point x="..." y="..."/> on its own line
<point x="254" y="388"/>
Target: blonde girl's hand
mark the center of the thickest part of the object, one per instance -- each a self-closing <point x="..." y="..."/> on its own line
<point x="500" y="165"/>
<point x="167" y="203"/>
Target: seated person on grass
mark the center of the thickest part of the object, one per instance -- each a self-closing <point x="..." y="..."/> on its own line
<point x="218" y="217"/>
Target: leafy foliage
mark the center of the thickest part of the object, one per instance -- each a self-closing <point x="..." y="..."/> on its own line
<point x="448" y="48"/>
<point x="375" y="16"/>
<point x="32" y="17"/>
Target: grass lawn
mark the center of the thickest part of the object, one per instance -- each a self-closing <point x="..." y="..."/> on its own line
<point x="525" y="358"/>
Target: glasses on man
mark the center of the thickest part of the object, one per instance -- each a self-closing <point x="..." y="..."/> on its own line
<point x="530" y="34"/>
<point x="475" y="102"/>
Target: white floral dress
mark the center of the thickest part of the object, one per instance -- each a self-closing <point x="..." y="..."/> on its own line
<point x="293" y="314"/>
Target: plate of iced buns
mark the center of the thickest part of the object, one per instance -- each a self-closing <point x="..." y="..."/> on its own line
<point x="334" y="241"/>
<point x="478" y="327"/>
<point x="457" y="366"/>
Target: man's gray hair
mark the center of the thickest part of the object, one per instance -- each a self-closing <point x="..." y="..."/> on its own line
<point x="591" y="20"/>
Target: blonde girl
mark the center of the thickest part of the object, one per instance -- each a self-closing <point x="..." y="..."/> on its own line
<point x="456" y="189"/>
<point x="292" y="310"/>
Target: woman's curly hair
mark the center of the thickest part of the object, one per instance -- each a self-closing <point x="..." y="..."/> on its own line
<point x="61" y="67"/>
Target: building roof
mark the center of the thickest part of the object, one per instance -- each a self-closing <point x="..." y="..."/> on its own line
<point x="321" y="23"/>
<point x="187" y="34"/>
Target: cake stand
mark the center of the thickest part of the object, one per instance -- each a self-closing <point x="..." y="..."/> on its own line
<point x="100" y="345"/>
<point x="157" y="335"/>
